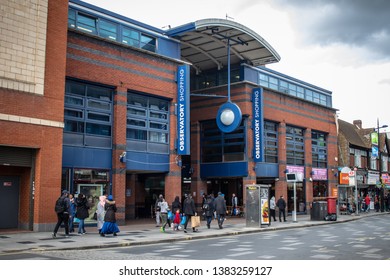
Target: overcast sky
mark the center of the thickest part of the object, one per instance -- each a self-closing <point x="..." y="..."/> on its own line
<point x="340" y="45"/>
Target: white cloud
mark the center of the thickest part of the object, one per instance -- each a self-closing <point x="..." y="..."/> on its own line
<point x="342" y="46"/>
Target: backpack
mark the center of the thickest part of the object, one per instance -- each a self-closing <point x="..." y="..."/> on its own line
<point x="60" y="206"/>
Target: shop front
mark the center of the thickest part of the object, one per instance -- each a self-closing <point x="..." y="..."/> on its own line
<point x="91" y="182"/>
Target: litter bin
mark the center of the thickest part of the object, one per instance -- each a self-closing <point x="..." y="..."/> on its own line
<point x="319" y="210"/>
<point x="332" y="205"/>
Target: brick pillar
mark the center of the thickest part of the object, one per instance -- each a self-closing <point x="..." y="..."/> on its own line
<point x="308" y="169"/>
<point x="281" y="185"/>
<point x="119" y="146"/>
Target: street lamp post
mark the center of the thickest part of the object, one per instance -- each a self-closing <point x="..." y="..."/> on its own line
<point x="380" y="165"/>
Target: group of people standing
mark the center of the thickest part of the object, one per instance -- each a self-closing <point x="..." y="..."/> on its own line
<point x="182" y="213"/>
<point x="76" y="210"/>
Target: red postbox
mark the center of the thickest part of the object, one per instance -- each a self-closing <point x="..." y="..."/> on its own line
<point x="331" y="205"/>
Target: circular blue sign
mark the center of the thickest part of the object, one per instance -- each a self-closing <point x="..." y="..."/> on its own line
<point x="229" y="117"/>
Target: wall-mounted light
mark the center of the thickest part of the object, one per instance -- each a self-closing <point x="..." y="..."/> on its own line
<point x="122" y="157"/>
<point x="311" y="179"/>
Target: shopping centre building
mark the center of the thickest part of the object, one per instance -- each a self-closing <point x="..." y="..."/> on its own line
<point x="111" y="105"/>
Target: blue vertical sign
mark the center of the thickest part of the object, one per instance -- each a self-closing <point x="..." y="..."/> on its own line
<point x="257" y="124"/>
<point x="183" y="110"/>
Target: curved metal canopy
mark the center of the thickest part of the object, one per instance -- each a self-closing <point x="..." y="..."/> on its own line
<point x="204" y="44"/>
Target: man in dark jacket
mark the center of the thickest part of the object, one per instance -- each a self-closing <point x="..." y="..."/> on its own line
<point x="63" y="217"/>
<point x="220" y="208"/>
<point x="189" y="211"/>
<point x="281" y="204"/>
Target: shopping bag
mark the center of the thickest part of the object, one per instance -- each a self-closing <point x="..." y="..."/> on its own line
<point x="195" y="221"/>
<point x="183" y="220"/>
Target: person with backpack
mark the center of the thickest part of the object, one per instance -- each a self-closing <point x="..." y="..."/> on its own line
<point x="208" y="208"/>
<point x="62" y="209"/>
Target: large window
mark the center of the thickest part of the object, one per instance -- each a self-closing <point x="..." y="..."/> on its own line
<point x="87" y="115"/>
<point x="217" y="146"/>
<point x="295" y="146"/>
<point x="270" y="142"/>
<point x="110" y="30"/>
<point x="319" y="149"/>
<point x="147" y="123"/>
<point x="294" y="89"/>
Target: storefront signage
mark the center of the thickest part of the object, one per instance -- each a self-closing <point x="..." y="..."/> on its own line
<point x="299" y="170"/>
<point x="372" y="177"/>
<point x="344" y="179"/>
<point x="386" y="179"/>
<point x="319" y="174"/>
<point x="183" y="110"/>
<point x="257" y="124"/>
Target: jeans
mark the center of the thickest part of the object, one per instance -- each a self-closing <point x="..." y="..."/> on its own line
<point x="221" y="219"/>
<point x="62" y="218"/>
<point x="71" y="224"/>
<point x="209" y="219"/>
<point x="81" y="226"/>
<point x="282" y="212"/>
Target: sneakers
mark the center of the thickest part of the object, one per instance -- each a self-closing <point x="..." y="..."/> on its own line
<point x="67" y="236"/>
<point x="102" y="234"/>
<point x="54" y="235"/>
<point x="162" y="229"/>
<point x="115" y="234"/>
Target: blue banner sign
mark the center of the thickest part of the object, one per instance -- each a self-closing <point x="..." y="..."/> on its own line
<point x="183" y="110"/>
<point x="257" y="124"/>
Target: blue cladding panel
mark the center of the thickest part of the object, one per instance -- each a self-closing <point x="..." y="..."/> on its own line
<point x="147" y="162"/>
<point x="231" y="169"/>
<point x="86" y="157"/>
<point x="265" y="169"/>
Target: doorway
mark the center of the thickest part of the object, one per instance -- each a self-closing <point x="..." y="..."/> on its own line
<point x="9" y="199"/>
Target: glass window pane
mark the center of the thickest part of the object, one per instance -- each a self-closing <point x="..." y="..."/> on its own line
<point x="99" y="105"/>
<point x="74" y="126"/>
<point x="135" y="122"/>
<point x="136" y="134"/>
<point x="137" y="112"/>
<point x="148" y="43"/>
<point x="99" y="93"/>
<point x="98" y="129"/>
<point x="70" y="100"/>
<point x="71" y="18"/>
<point x="73" y="113"/>
<point x="75" y="88"/>
<point x="130" y="37"/>
<point x="98" y="117"/>
<point x="108" y="29"/>
<point x="86" y="23"/>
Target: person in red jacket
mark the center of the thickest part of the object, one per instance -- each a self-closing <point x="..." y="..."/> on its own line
<point x="367" y="202"/>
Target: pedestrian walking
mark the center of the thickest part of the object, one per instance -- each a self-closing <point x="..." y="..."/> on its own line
<point x="82" y="212"/>
<point x="272" y="206"/>
<point x="281" y="204"/>
<point x="176" y="220"/>
<point x="110" y="226"/>
<point x="72" y="212"/>
<point x="209" y="209"/>
<point x="100" y="212"/>
<point x="157" y="210"/>
<point x="234" y="205"/>
<point x="189" y="211"/>
<point x="367" y="201"/>
<point x="220" y="209"/>
<point x="62" y="209"/>
<point x="176" y="204"/>
<point x="164" y="214"/>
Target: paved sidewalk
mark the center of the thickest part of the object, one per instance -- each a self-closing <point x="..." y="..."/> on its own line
<point x="141" y="232"/>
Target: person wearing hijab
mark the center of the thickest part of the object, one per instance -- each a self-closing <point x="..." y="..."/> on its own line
<point x="110" y="226"/>
<point x="100" y="212"/>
